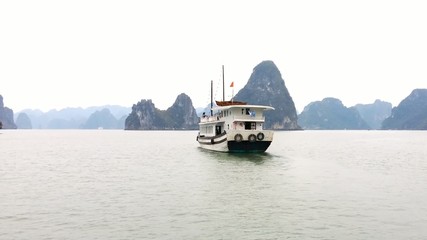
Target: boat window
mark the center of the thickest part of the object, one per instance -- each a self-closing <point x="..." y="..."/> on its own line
<point x="217" y="130"/>
<point x="243" y="111"/>
<point x="209" y="130"/>
<point x="250" y="126"/>
<point x="206" y="130"/>
<point x="248" y="111"/>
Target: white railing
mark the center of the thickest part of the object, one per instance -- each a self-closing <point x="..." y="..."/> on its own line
<point x="209" y="119"/>
<point x="241" y="118"/>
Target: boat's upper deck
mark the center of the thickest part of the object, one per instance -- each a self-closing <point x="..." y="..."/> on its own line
<point x="236" y="113"/>
<point x="257" y="107"/>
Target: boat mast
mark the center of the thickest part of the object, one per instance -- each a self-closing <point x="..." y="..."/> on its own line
<point x="211" y="97"/>
<point x="223" y="84"/>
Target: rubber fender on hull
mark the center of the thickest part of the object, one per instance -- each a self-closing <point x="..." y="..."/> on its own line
<point x="252" y="138"/>
<point x="238" y="137"/>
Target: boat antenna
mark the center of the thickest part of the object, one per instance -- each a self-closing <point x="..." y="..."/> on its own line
<point x="211" y="97"/>
<point x="223" y="84"/>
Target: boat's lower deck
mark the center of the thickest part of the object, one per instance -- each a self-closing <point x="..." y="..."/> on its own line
<point x="237" y="141"/>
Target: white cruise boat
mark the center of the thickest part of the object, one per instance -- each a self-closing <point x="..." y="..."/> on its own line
<point x="235" y="127"/>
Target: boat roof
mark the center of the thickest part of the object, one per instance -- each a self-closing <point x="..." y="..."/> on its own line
<point x="220" y="108"/>
<point x="228" y="103"/>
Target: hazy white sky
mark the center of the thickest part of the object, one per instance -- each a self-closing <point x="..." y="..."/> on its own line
<point x="56" y="54"/>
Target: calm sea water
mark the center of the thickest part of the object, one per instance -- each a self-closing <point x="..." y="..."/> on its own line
<point x="78" y="184"/>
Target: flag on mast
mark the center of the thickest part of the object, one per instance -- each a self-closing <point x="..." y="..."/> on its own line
<point x="232" y="90"/>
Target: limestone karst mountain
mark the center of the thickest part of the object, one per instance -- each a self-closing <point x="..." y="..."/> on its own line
<point x="6" y="116"/>
<point x="102" y="119"/>
<point x="410" y="114"/>
<point x="23" y="121"/>
<point x="267" y="87"/>
<point x="331" y="114"/>
<point x="76" y="117"/>
<point x="374" y="113"/>
<point x="180" y="116"/>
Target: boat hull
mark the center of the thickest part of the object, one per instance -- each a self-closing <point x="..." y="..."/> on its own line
<point x="248" y="147"/>
<point x="217" y="143"/>
<point x="227" y="142"/>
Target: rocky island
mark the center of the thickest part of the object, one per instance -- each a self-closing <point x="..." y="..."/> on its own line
<point x="331" y="114"/>
<point x="180" y="116"/>
<point x="267" y="87"/>
<point x="410" y="114"/>
<point x="6" y="116"/>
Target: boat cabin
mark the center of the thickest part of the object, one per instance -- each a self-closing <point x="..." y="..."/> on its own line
<point x="235" y="117"/>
